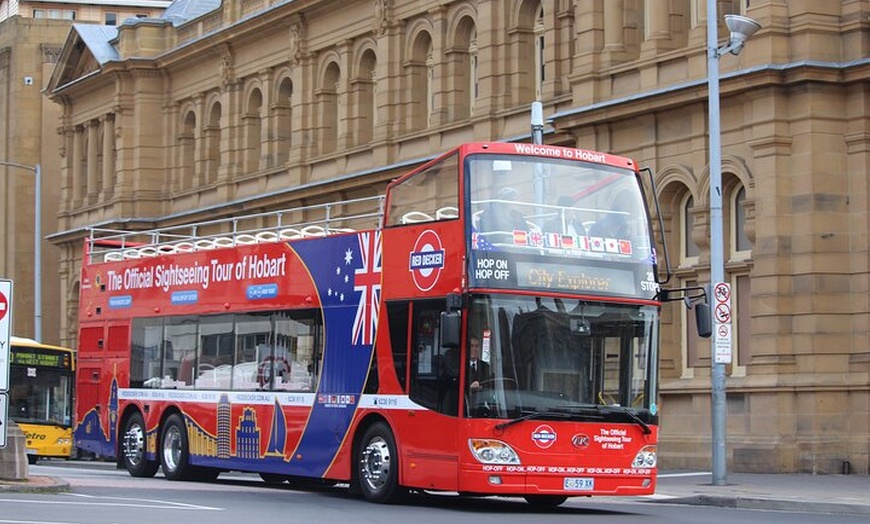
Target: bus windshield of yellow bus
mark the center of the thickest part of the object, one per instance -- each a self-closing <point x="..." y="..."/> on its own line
<point x="41" y="380"/>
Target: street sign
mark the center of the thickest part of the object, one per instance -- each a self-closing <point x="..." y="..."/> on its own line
<point x="722" y="323"/>
<point x="5" y="331"/>
<point x="723" y="313"/>
<point x="722" y="292"/>
<point x="722" y="347"/>
<point x="4" y="415"/>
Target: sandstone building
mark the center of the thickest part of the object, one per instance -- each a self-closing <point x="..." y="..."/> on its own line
<point x="31" y="36"/>
<point x="221" y="108"/>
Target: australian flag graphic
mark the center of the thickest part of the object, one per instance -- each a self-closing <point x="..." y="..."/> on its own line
<point x="346" y="272"/>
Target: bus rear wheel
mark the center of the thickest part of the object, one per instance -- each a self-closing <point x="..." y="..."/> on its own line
<point x="545" y="501"/>
<point x="175" y="450"/>
<point x="133" y="456"/>
<point x="378" y="465"/>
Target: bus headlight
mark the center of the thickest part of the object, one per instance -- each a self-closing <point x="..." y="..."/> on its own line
<point x="645" y="458"/>
<point x="490" y="451"/>
<point x="62" y="441"/>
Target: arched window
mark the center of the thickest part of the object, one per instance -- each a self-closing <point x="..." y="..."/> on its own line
<point x="528" y="43"/>
<point x="430" y="85"/>
<point x="420" y="83"/>
<point x="329" y="108"/>
<point x="187" y="141"/>
<point x="212" y="132"/>
<point x="740" y="244"/>
<point x="83" y="162"/>
<point x="462" y="71"/>
<point x="688" y="249"/>
<point x="284" y="121"/>
<point x="253" y="131"/>
<point x="473" y="78"/>
<point x="540" y="63"/>
<point x="101" y="132"/>
<point x="364" y="88"/>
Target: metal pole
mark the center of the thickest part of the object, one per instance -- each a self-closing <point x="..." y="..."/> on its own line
<point x="37" y="246"/>
<point x="37" y="256"/>
<point x="717" y="264"/>
<point x="537" y="123"/>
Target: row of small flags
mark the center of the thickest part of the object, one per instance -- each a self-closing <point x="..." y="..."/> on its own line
<point x="555" y="240"/>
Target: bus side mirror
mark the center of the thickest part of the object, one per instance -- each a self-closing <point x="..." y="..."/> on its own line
<point x="451" y="326"/>
<point x="702" y="319"/>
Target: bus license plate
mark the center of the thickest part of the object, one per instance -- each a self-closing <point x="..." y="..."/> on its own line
<point x="579" y="484"/>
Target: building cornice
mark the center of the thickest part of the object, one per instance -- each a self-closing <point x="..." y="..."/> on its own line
<point x="833" y="72"/>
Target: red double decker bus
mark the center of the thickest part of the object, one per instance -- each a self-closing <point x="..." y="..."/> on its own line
<point x="490" y="327"/>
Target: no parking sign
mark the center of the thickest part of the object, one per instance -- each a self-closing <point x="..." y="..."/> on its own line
<point x="5" y="327"/>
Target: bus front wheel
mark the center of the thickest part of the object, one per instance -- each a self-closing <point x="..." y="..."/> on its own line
<point x="378" y="465"/>
<point x="133" y="449"/>
<point x="175" y="450"/>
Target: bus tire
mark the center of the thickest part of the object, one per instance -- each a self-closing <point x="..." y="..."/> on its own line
<point x="133" y="457"/>
<point x="175" y="452"/>
<point x="32" y="459"/>
<point x="378" y="465"/>
<point x="545" y="501"/>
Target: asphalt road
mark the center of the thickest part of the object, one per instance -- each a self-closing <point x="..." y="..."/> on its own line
<point x="99" y="493"/>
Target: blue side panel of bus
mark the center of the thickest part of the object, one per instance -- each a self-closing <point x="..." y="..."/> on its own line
<point x="346" y="271"/>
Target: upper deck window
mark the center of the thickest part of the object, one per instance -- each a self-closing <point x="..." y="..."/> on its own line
<point x="427" y="196"/>
<point x="514" y="193"/>
<point x="559" y="225"/>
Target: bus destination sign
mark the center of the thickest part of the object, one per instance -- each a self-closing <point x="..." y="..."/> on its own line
<point x="40" y="358"/>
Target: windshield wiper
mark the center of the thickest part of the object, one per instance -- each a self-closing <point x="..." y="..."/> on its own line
<point x="630" y="414"/>
<point x="529" y="415"/>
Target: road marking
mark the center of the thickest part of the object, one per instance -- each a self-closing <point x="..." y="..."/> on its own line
<point x="137" y="503"/>
<point x="34" y="522"/>
<point x="157" y="503"/>
<point x="675" y="475"/>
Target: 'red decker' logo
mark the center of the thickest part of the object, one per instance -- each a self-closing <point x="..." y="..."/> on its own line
<point x="544" y="436"/>
<point x="427" y="260"/>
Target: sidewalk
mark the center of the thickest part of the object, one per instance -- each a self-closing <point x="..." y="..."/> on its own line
<point x="794" y="492"/>
<point x="35" y="484"/>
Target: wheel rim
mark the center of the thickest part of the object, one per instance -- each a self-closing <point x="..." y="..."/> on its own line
<point x="171" y="448"/>
<point x="375" y="464"/>
<point x="134" y="444"/>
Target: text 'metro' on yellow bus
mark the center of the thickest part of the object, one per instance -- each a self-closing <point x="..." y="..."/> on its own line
<point x="41" y="397"/>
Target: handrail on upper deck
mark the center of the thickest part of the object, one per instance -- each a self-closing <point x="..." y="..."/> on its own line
<point x="323" y="220"/>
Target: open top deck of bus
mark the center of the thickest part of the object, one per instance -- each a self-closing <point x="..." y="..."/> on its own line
<point x="107" y="245"/>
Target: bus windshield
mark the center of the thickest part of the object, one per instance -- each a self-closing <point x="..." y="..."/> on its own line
<point x="559" y="355"/>
<point x="558" y="225"/>
<point x="41" y="395"/>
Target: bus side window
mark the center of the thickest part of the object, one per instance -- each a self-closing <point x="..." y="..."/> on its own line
<point x="397" y="316"/>
<point x="434" y="371"/>
<point x="431" y="194"/>
<point x="145" y="355"/>
<point x="298" y="350"/>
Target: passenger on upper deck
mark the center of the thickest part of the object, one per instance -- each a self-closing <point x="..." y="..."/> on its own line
<point x="615" y="223"/>
<point x="572" y="223"/>
<point x="501" y="214"/>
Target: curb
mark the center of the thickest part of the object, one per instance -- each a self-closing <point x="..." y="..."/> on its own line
<point x="767" y="504"/>
<point x="34" y="485"/>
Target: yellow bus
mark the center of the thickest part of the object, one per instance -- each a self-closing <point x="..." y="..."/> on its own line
<point x="41" y="379"/>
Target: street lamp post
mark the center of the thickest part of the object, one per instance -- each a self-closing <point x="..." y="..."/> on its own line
<point x="37" y="246"/>
<point x="741" y="28"/>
